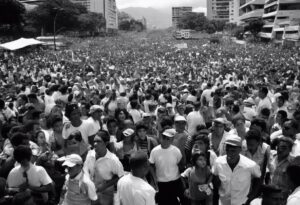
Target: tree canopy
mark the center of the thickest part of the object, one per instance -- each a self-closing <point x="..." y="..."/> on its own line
<point x="11" y="12"/>
<point x="63" y="11"/>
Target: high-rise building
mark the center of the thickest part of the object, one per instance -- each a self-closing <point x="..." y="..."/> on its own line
<point x="107" y="8"/>
<point x="250" y="10"/>
<point x="234" y="7"/>
<point x="277" y="15"/>
<point x="223" y="10"/>
<point x="177" y="13"/>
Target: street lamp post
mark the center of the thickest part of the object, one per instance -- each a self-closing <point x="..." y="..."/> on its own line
<point x="54" y="26"/>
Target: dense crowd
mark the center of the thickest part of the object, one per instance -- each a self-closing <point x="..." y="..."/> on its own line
<point x="134" y="120"/>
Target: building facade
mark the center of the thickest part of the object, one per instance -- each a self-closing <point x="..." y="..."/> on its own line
<point x="223" y="10"/>
<point x="250" y="10"/>
<point x="107" y="8"/>
<point x="177" y="13"/>
<point x="279" y="14"/>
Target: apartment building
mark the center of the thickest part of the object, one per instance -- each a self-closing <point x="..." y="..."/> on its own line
<point x="279" y="14"/>
<point x="177" y="13"/>
<point x="250" y="10"/>
<point x="223" y="10"/>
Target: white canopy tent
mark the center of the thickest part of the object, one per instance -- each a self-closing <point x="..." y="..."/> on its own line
<point x="20" y="43"/>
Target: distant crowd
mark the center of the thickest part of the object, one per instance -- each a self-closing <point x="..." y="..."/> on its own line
<point x="136" y="121"/>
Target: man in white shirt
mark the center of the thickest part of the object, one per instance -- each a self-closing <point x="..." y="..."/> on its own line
<point x="194" y="119"/>
<point x="233" y="174"/>
<point x="95" y="119"/>
<point x="76" y="124"/>
<point x="104" y="168"/>
<point x="29" y="176"/>
<point x="132" y="188"/>
<point x="166" y="159"/>
<point x="265" y="101"/>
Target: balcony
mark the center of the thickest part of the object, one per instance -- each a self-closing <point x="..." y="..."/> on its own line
<point x="288" y="1"/>
<point x="270" y="14"/>
<point x="252" y="14"/>
<point x="256" y="2"/>
<point x="295" y="37"/>
<point x="265" y="35"/>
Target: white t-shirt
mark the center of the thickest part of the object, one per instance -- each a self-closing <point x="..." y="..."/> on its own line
<point x="135" y="191"/>
<point x="86" y="128"/>
<point x="37" y="176"/>
<point x="95" y="123"/>
<point x="166" y="163"/>
<point x="193" y="120"/>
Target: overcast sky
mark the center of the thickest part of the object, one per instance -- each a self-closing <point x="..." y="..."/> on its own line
<point x="198" y="5"/>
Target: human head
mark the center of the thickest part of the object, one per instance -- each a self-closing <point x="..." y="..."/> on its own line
<point x="139" y="163"/>
<point x="239" y="122"/>
<point x="19" y="138"/>
<point x="96" y="111"/>
<point x="57" y="124"/>
<point x="73" y="112"/>
<point x="263" y="92"/>
<point x="40" y="138"/>
<point x="281" y="117"/>
<point x="101" y="141"/>
<point x="112" y="125"/>
<point x="284" y="147"/>
<point x="121" y="115"/>
<point x="290" y="128"/>
<point x="219" y="126"/>
<point x="74" y="164"/>
<point x="180" y="123"/>
<point x="253" y="139"/>
<point x="201" y="141"/>
<point x="259" y="124"/>
<point x="199" y="159"/>
<point x="280" y="101"/>
<point x="167" y="138"/>
<point x="141" y="130"/>
<point x="23" y="154"/>
<point x="265" y="113"/>
<point x="233" y="148"/>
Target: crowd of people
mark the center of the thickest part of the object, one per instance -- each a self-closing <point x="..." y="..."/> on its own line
<point x="131" y="120"/>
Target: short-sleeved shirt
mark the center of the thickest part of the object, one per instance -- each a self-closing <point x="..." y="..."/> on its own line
<point x="37" y="176"/>
<point x="135" y="191"/>
<point x="104" y="168"/>
<point x="166" y="163"/>
<point x="86" y="129"/>
<point x="80" y="190"/>
<point x="235" y="185"/>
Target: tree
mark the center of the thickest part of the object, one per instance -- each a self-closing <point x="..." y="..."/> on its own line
<point x="91" y="22"/>
<point x="192" y="20"/>
<point x="127" y="23"/>
<point x="63" y="12"/>
<point x="219" y="25"/>
<point x="11" y="12"/>
<point x="124" y="25"/>
<point x="255" y="26"/>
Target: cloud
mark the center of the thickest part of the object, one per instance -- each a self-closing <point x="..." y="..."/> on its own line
<point x="121" y="4"/>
